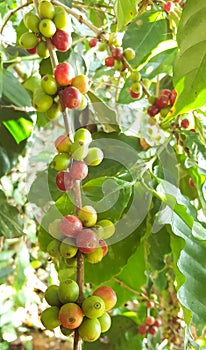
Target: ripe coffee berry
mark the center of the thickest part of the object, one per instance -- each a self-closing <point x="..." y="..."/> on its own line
<point x="153" y="330"/>
<point x="150" y="304"/>
<point x="70" y="226"/>
<point x="117" y="53"/>
<point x="71" y="97"/>
<point x="93" y="42"/>
<point x="64" y="73"/>
<point x="64" y="181"/>
<point x="168" y="6"/>
<point x="162" y="101"/>
<point x="62" y="40"/>
<point x="185" y="123"/>
<point x="79" y="170"/>
<point x="173" y="97"/>
<point x="150" y="320"/>
<point x="109" y="61"/>
<point x="143" y="329"/>
<point x="87" y="241"/>
<point x="153" y="110"/>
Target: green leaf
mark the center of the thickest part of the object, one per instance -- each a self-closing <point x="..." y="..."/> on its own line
<point x="22" y="261"/>
<point x="20" y="129"/>
<point x="125" y="11"/>
<point x="160" y="63"/>
<point x="11" y="225"/>
<point x="97" y="17"/>
<point x="122" y="335"/>
<point x="116" y="258"/>
<point x="106" y="116"/>
<point x="190" y="64"/>
<point x="158" y="242"/>
<point x="109" y="196"/>
<point x="4" y="273"/>
<point x="144" y="34"/>
<point x="14" y="91"/>
<point x="128" y="278"/>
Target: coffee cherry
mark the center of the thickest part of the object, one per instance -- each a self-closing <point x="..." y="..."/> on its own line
<point x="28" y="40"/>
<point x="70" y="315"/>
<point x="79" y="170"/>
<point x="61" y="19"/>
<point x="162" y="101"/>
<point x="32" y="51"/>
<point x="93" y="307"/>
<point x="71" y="97"/>
<point x="79" y="150"/>
<point x="150" y="304"/>
<point x="94" y="156"/>
<point x="45" y="67"/>
<point x="153" y="330"/>
<point x="46" y="9"/>
<point x="117" y="53"/>
<point x="31" y="22"/>
<point x="136" y="90"/>
<point x="47" y="28"/>
<point x="51" y="295"/>
<point x="109" y="61"/>
<point x="87" y="241"/>
<point x="42" y="101"/>
<point x="64" y="73"/>
<point x="185" y="123"/>
<point x="63" y="144"/>
<point x="143" y="328"/>
<point x="87" y="215"/>
<point x="53" y="112"/>
<point x="62" y="40"/>
<point x="93" y="42"/>
<point x="158" y="322"/>
<point x="42" y="49"/>
<point x="81" y="82"/>
<point x="66" y="331"/>
<point x="48" y="84"/>
<point x="165" y="92"/>
<point x="150" y="320"/>
<point x="164" y="111"/>
<point x="49" y="317"/>
<point x="61" y="161"/>
<point x="105" y="322"/>
<point x="108" y="228"/>
<point x="90" y="330"/>
<point x="95" y="257"/>
<point x="135" y="76"/>
<point x="129" y="54"/>
<point x="68" y="291"/>
<point x="168" y="6"/>
<point x="108" y="295"/>
<point x="104" y="246"/>
<point x="53" y="248"/>
<point x="118" y="65"/>
<point x="153" y="110"/>
<point x="70" y="226"/>
<point x="83" y="135"/>
<point x="67" y="250"/>
<point x="64" y="181"/>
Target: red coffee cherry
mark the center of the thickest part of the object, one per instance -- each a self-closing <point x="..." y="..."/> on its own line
<point x="78" y="170"/>
<point x="109" y="61"/>
<point x="70" y="226"/>
<point x="62" y="40"/>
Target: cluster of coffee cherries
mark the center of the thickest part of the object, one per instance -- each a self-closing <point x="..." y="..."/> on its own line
<point x="90" y="318"/>
<point x="72" y="88"/>
<point x="151" y="324"/>
<point x="51" y="22"/>
<point x="162" y="104"/>
<point x="83" y="232"/>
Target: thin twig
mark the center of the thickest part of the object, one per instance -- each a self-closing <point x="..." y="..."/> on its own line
<point x="10" y="14"/>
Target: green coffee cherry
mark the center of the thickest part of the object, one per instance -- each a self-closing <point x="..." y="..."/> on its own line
<point x="90" y="330"/>
<point x="47" y="28"/>
<point x="31" y="21"/>
<point x="68" y="291"/>
<point x="67" y="250"/>
<point x="28" y="40"/>
<point x="42" y="50"/>
<point x="53" y="248"/>
<point x="50" y="317"/>
<point x="105" y="322"/>
<point x="46" y="9"/>
<point x="51" y="295"/>
<point x="93" y="307"/>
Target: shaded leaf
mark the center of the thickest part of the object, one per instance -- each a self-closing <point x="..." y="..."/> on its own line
<point x="11" y="225"/>
<point x="125" y="11"/>
<point x="190" y="64"/>
<point x="144" y="34"/>
<point x="106" y="116"/>
<point x="14" y="91"/>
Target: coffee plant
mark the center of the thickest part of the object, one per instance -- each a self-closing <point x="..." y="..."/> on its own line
<point x="102" y="173"/>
